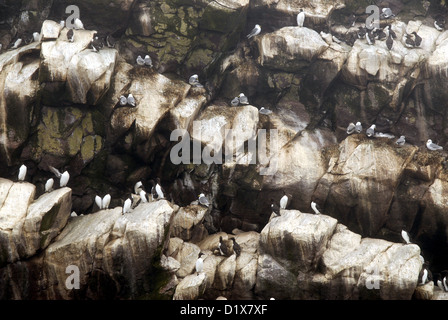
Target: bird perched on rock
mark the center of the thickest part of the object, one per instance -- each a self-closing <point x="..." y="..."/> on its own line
<point x="243" y="99"/>
<point x="203" y="200"/>
<point x="265" y="111"/>
<point x="390" y="32"/>
<point x="370" y="37"/>
<point x="300" y="18"/>
<point x="405" y="237"/>
<point x="315" y="207"/>
<point x="70" y="35"/>
<point x="159" y="190"/>
<point x="110" y="41"/>
<point x="22" y="172"/>
<point x="255" y="31"/>
<point x="409" y="42"/>
<point x="236" y="247"/>
<point x="104" y="202"/>
<point x="222" y="247"/>
<point x="63" y="177"/>
<point x="96" y="44"/>
<point x="235" y="101"/>
<point x="123" y="100"/>
<point x="389" y="42"/>
<point x="194" y="81"/>
<point x="275" y="208"/>
<point x="138" y="187"/>
<point x="36" y="36"/>
<point x="140" y="61"/>
<point x="284" y="201"/>
<point x="351" y="128"/>
<point x="425" y="275"/>
<point x="386" y="13"/>
<point x="362" y="31"/>
<point x="199" y="266"/>
<point x="432" y="146"/>
<point x="154" y="194"/>
<point x="401" y="141"/>
<point x="148" y="61"/>
<point x="417" y="39"/>
<point x="143" y="196"/>
<point x="358" y="127"/>
<point x="78" y="24"/>
<point x="439" y="23"/>
<point x="371" y="131"/>
<point x="127" y="206"/>
<point x="131" y="100"/>
<point x="17" y="43"/>
<point x="49" y="185"/>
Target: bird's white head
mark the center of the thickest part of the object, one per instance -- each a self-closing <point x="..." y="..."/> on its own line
<point x="358" y="123"/>
<point x="429" y="141"/>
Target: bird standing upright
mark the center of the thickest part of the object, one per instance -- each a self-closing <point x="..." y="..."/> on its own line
<point x="255" y="31"/>
<point x="300" y="18"/>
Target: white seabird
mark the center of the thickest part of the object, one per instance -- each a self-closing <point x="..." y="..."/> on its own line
<point x="64" y="179"/>
<point x="98" y="202"/>
<point x="194" y="80"/>
<point x="401" y="141"/>
<point x="265" y="111"/>
<point x="199" y="264"/>
<point x="49" y="185"/>
<point x="143" y="196"/>
<point x="371" y="131"/>
<point x="127" y="206"/>
<point x="314" y="207"/>
<point x="300" y="18"/>
<point x="159" y="190"/>
<point x="358" y="127"/>
<point x="243" y="99"/>
<point x="148" y="61"/>
<point x="432" y="146"/>
<point x="22" y="172"/>
<point x="405" y="237"/>
<point x="386" y="13"/>
<point x="203" y="200"/>
<point x="255" y="31"/>
<point x="36" y="36"/>
<point x="17" y="43"/>
<point x="138" y="187"/>
<point x="131" y="100"/>
<point x="106" y="201"/>
<point x="351" y="128"/>
<point x="123" y="100"/>
<point x="140" y="61"/>
<point x="235" y="101"/>
<point x="284" y="201"/>
<point x="78" y="24"/>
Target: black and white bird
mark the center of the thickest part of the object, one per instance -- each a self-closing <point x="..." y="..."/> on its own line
<point x="425" y="275"/>
<point x="358" y="127"/>
<point x="351" y="128"/>
<point x="432" y="146"/>
<point x="154" y="194"/>
<point x="439" y="24"/>
<point x="138" y="186"/>
<point x="131" y="100"/>
<point x="127" y="206"/>
<point x="63" y="177"/>
<point x="438" y="281"/>
<point x="17" y="43"/>
<point x="405" y="237"/>
<point x="370" y="37"/>
<point x="255" y="31"/>
<point x="199" y="266"/>
<point x="390" y="32"/>
<point x="143" y="196"/>
<point x="78" y="24"/>
<point x="408" y="41"/>
<point x="243" y="99"/>
<point x="315" y="207"/>
<point x="444" y="276"/>
<point x="401" y="141"/>
<point x="22" y="173"/>
<point x="222" y="247"/>
<point x="265" y="111"/>
<point x="96" y="44"/>
<point x="236" y="247"/>
<point x="300" y="18"/>
<point x="275" y="208"/>
<point x="203" y="200"/>
<point x="370" y="132"/>
<point x="110" y="41"/>
<point x="380" y="34"/>
<point x="235" y="102"/>
<point x="284" y="201"/>
<point x="159" y="190"/>
<point x="70" y="35"/>
<point x="49" y="185"/>
<point x="389" y="42"/>
<point x="417" y="39"/>
<point x="140" y="61"/>
<point x="362" y="31"/>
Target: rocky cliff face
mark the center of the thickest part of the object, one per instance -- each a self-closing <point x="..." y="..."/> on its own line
<point x="59" y="106"/>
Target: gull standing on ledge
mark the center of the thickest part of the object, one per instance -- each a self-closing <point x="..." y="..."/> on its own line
<point x="22" y="172"/>
<point x="432" y="146"/>
<point x="300" y="18"/>
<point x="255" y="31"/>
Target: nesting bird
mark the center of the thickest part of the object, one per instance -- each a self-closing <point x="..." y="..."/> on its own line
<point x="194" y="81"/>
<point x="203" y="200"/>
<point x="235" y="101"/>
<point x="264" y="111"/>
<point x="432" y="146"/>
<point x="148" y="61"/>
<point x="370" y="132"/>
<point x="358" y="127"/>
<point x="351" y="128"/>
<point x="386" y="13"/>
<point x="401" y="141"/>
<point x="243" y="99"/>
<point x="140" y="61"/>
<point x="131" y="100"/>
<point x="255" y="31"/>
<point x="123" y="100"/>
